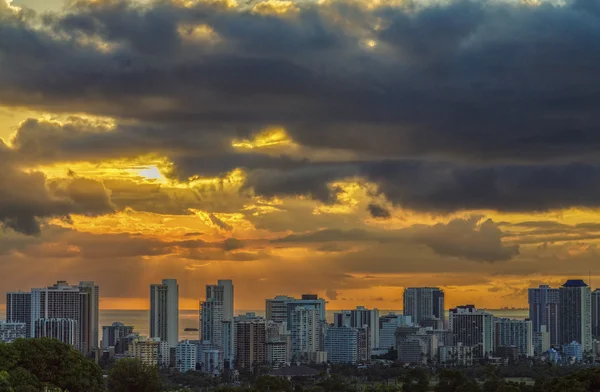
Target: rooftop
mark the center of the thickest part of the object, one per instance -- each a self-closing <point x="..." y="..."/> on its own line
<point x="575" y="283"/>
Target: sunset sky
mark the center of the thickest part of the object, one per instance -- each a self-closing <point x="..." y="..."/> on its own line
<point x="344" y="148"/>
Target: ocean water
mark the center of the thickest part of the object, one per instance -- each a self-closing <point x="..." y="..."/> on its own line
<point x="139" y="319"/>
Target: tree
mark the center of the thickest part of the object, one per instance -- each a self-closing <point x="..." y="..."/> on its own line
<point x="455" y="381"/>
<point x="129" y="375"/>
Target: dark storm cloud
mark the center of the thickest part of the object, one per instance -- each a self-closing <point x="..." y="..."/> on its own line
<point x="467" y="105"/>
<point x="377" y="211"/>
<point x="471" y="239"/>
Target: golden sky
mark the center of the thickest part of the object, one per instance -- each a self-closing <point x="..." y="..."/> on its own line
<point x="347" y="149"/>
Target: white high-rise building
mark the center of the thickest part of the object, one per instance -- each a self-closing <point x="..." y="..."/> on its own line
<point x="63" y="301"/>
<point x="305" y="329"/>
<point x="164" y="311"/>
<point x="10" y="331"/>
<point x="424" y="305"/>
<point x="515" y="333"/>
<point x="211" y="321"/>
<point x="576" y="314"/>
<point x="361" y="317"/>
<point x="185" y="356"/>
<point x="65" y="330"/>
<point x="228" y="297"/>
<point x="473" y="328"/>
<point x="18" y="309"/>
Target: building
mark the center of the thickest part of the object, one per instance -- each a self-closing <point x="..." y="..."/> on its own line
<point x="572" y="352"/>
<point x="211" y="320"/>
<point x="251" y="344"/>
<point x="364" y="344"/>
<point x="553" y="356"/>
<point x="210" y="359"/>
<point x="11" y="331"/>
<point x="576" y="314"/>
<point x="458" y="355"/>
<point x="362" y="317"/>
<point x="63" y="301"/>
<point x="515" y="333"/>
<point x="65" y="330"/>
<point x="151" y="352"/>
<point x="278" y="344"/>
<point x="18" y="309"/>
<point x="342" y="319"/>
<point x="473" y="328"/>
<point x="185" y="356"/>
<point x="308" y="300"/>
<point x="276" y="308"/>
<point x="305" y="330"/>
<point x="341" y="345"/>
<point x="412" y="350"/>
<point x="223" y="292"/>
<point x="113" y="335"/>
<point x="544" y="310"/>
<point x="541" y="342"/>
<point x="424" y="304"/>
<point x="164" y="311"/>
<point x="595" y="314"/>
<point x="387" y="329"/>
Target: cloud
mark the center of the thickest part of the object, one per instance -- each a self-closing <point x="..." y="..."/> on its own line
<point x="377" y="211"/>
<point x="331" y="294"/>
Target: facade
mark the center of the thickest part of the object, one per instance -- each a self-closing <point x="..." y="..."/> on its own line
<point x="164" y="311"/>
<point x="412" y="350"/>
<point x="424" y="304"/>
<point x="458" y="355"/>
<point x="276" y="308"/>
<point x="278" y="344"/>
<point x="185" y="356"/>
<point x="541" y="342"/>
<point x="364" y="344"/>
<point x="342" y="319"/>
<point x="515" y="333"/>
<point x="211" y="320"/>
<point x="362" y="317"/>
<point x="11" y="331"/>
<point x="210" y="359"/>
<point x="113" y="336"/>
<point x="595" y="314"/>
<point x="341" y="345"/>
<point x="151" y="352"/>
<point x="305" y="330"/>
<point x="223" y="292"/>
<point x="387" y="329"/>
<point x="308" y="300"/>
<point x="63" y="301"/>
<point x="474" y="328"/>
<point x="18" y="309"/>
<point x="65" y="330"/>
<point x="572" y="351"/>
<point x="544" y="310"/>
<point x="576" y="314"/>
<point x="251" y="344"/>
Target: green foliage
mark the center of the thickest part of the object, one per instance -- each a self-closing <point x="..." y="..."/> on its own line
<point x="129" y="375"/>
<point x="32" y="364"/>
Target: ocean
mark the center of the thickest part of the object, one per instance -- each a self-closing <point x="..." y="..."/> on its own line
<point x="189" y="318"/>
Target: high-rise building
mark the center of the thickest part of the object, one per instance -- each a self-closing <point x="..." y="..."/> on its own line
<point x="63" y="301"/>
<point x="223" y="293"/>
<point x="341" y="344"/>
<point x="93" y="314"/>
<point x="18" y="309"/>
<point x="10" y="331"/>
<point x="305" y="329"/>
<point x="65" y="330"/>
<point x="185" y="356"/>
<point x="458" y="355"/>
<point x="572" y="351"/>
<point x="228" y="296"/>
<point x="576" y="314"/>
<point x="164" y="311"/>
<point x="596" y="314"/>
<point x="276" y="308"/>
<point x="541" y="342"/>
<point x="387" y="329"/>
<point x="342" y="319"/>
<point x="515" y="333"/>
<point x="361" y="317"/>
<point x="151" y="352"/>
<point x="113" y="336"/>
<point x="211" y="321"/>
<point x="474" y="328"/>
<point x="278" y="344"/>
<point x="544" y="310"/>
<point x="424" y="304"/>
<point x="251" y="344"/>
<point x="308" y="300"/>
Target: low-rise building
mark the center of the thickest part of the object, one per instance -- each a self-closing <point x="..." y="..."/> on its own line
<point x="186" y="356"/>
<point x="11" y="331"/>
<point x="341" y="344"/>
<point x="150" y="352"/>
<point x="458" y="355"/>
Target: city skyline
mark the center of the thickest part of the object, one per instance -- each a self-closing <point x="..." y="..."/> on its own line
<point x="346" y="148"/>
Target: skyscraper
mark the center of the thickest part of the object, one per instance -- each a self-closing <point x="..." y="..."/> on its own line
<point x="164" y="311"/>
<point x="305" y="330"/>
<point x="544" y="310"/>
<point x="474" y="328"/>
<point x="362" y="317"/>
<point x="576" y="314"/>
<point x="276" y="308"/>
<point x="228" y="297"/>
<point x="114" y="335"/>
<point x="341" y="344"/>
<point x="515" y="333"/>
<point x="424" y="304"/>
<point x="211" y="321"/>
<point x="18" y="309"/>
<point x="223" y="294"/>
<point x="251" y="343"/>
<point x="596" y="314"/>
<point x="63" y="301"/>
<point x="65" y="330"/>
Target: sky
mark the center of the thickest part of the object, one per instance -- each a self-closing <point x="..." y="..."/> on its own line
<point x="344" y="148"/>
